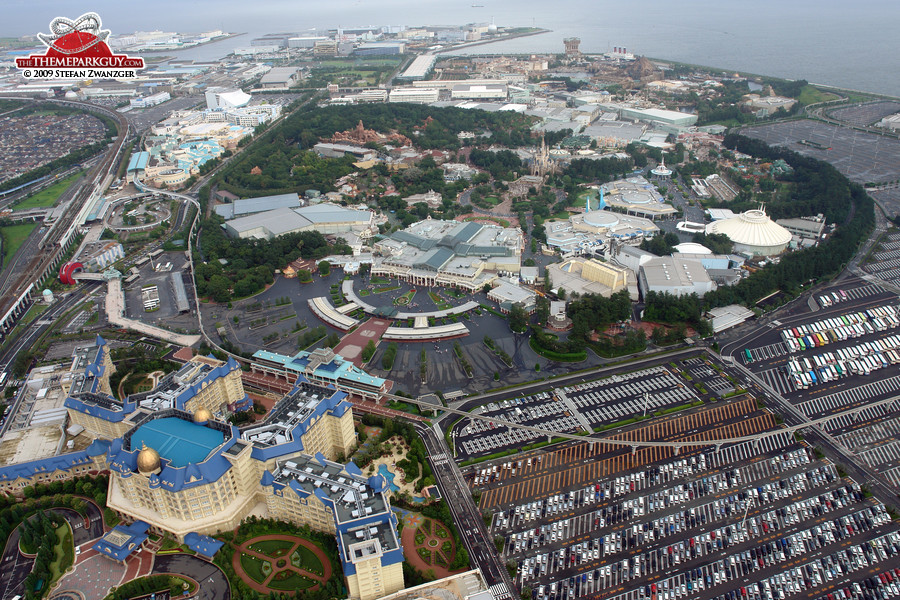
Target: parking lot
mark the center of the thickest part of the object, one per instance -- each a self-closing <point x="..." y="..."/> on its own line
<point x="863" y="115"/>
<point x="885" y="261"/>
<point x="763" y="519"/>
<point x="535" y="475"/>
<point x="831" y="350"/>
<point x="872" y="432"/>
<point x="580" y="408"/>
<point x="862" y="157"/>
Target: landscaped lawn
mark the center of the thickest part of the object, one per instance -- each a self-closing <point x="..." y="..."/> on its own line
<point x="292" y="581"/>
<point x="13" y="237"/>
<point x="308" y="560"/>
<point x="273" y="548"/>
<point x="389" y="288"/>
<point x="405" y="299"/>
<point x="253" y="567"/>
<point x="64" y="552"/>
<point x="48" y="196"/>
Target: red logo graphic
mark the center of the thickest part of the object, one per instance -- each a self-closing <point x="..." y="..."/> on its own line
<point x="78" y="44"/>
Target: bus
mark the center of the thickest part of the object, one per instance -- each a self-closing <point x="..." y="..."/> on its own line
<point x="748" y="356"/>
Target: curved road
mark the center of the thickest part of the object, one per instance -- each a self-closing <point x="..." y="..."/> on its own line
<point x="15" y="566"/>
<point x="213" y="583"/>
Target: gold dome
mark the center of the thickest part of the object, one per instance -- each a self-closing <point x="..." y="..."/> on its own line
<point x="202" y="415"/>
<point x="147" y="460"/>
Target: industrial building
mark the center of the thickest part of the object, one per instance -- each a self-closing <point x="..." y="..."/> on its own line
<point x="753" y="232"/>
<point x="151" y="100"/>
<point x="466" y="91"/>
<point x="249" y="206"/>
<point x="420" y="68"/>
<point x="305" y="41"/>
<point x="679" y="277"/>
<point x="804" y="227"/>
<point x="656" y="116"/>
<point x="280" y="77"/>
<point x="466" y="255"/>
<point x="414" y="95"/>
<point x="324" y="218"/>
<point x="380" y="49"/>
<point x="224" y="98"/>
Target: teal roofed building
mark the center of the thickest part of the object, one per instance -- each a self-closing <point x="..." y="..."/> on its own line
<point x="322" y="367"/>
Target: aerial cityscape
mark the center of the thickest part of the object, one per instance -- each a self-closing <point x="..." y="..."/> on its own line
<point x="475" y="311"/>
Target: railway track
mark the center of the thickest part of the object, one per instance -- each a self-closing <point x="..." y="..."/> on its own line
<point x="55" y="243"/>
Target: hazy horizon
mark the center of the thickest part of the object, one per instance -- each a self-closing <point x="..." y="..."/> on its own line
<point x="853" y="45"/>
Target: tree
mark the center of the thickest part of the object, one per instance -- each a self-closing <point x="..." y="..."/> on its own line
<point x="304" y="276"/>
<point x="368" y="351"/>
<point x="518" y="318"/>
<point x="324" y="268"/>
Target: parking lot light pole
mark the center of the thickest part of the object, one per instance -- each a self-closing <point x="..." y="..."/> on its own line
<point x="746" y="510"/>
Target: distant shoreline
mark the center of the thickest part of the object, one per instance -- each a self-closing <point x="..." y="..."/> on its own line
<point x="218" y="39"/>
<point x="493" y="41"/>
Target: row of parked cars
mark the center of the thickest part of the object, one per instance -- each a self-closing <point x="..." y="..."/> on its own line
<point x="633" y="536"/>
<point x="674" y="526"/>
<point x="861" y="359"/>
<point x="838" y="329"/>
<point x="829" y="298"/>
<point x="779" y="550"/>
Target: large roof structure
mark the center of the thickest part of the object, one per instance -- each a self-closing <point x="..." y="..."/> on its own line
<point x="753" y="231"/>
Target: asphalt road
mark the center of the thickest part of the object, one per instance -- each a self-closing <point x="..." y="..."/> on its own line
<point x="816" y="436"/>
<point x="455" y="492"/>
<point x="213" y="583"/>
<point x="15" y="567"/>
<point x="27" y="338"/>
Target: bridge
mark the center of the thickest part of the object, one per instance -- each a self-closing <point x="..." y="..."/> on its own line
<point x="635" y="444"/>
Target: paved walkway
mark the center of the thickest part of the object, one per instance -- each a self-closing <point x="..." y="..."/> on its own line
<point x="352" y="344"/>
<point x="93" y="576"/>
<point x="115" y="313"/>
<point x="432" y="543"/>
<point x="263" y="587"/>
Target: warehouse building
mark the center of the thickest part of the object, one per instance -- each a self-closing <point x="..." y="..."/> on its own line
<point x="280" y="77"/>
<point x="466" y="91"/>
<point x="804" y="227"/>
<point x="249" y="206"/>
<point x="324" y="218"/>
<point x="420" y="68"/>
<point x="679" y="277"/>
<point x="414" y="95"/>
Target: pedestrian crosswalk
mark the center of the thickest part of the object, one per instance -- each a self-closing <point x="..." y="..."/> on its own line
<point x="500" y="592"/>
